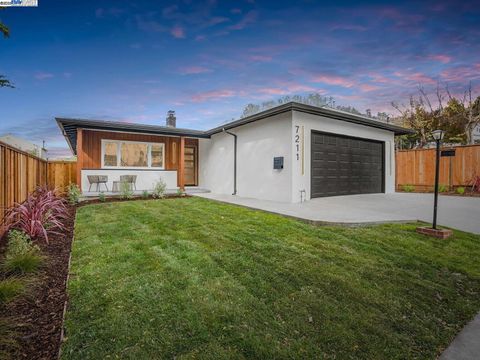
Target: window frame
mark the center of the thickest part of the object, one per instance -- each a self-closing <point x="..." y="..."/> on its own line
<point x="119" y="154"/>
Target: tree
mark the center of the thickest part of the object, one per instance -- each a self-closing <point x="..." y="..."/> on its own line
<point x="313" y="99"/>
<point x="4" y="82"/>
<point x="458" y="117"/>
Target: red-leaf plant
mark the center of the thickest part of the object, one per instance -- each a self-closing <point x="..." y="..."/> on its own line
<point x="41" y="214"/>
<point x="475" y="183"/>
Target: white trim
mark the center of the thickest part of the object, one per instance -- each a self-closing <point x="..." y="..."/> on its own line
<point x="119" y="146"/>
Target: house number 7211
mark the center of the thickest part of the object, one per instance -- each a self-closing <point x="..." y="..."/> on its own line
<point x="299" y="145"/>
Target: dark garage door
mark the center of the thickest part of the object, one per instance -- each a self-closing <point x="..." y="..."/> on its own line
<point x="344" y="165"/>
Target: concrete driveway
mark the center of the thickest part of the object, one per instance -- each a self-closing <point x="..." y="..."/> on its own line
<point x="461" y="213"/>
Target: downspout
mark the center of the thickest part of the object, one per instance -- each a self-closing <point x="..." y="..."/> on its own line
<point x="234" y="160"/>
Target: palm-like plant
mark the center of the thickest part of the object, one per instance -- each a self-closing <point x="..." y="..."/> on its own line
<point x="43" y="213"/>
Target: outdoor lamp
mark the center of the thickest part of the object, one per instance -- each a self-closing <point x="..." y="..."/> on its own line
<point x="438" y="135"/>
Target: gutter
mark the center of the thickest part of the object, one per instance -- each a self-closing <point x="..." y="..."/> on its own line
<point x="234" y="160"/>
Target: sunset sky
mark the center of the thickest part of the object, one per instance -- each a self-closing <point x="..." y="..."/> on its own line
<point x="135" y="60"/>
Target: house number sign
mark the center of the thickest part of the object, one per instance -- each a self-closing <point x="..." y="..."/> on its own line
<point x="299" y="146"/>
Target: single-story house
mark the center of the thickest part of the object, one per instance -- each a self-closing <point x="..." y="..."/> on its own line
<point x="290" y="153"/>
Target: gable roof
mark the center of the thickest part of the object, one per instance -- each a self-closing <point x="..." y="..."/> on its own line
<point x="322" y="111"/>
<point x="69" y="126"/>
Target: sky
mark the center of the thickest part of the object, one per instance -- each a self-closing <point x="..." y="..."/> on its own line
<point x="135" y="60"/>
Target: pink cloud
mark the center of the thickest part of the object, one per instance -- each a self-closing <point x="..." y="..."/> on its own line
<point x="177" y="32"/>
<point x="213" y="95"/>
<point x="190" y="70"/>
<point x="287" y="88"/>
<point x="368" y="87"/>
<point x="43" y="75"/>
<point x="461" y="74"/>
<point x="260" y="58"/>
<point x="416" y="77"/>
<point x="445" y="59"/>
<point x="378" y="78"/>
<point x="334" y="80"/>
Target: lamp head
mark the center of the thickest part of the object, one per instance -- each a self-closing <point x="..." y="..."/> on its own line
<point x="438" y="134"/>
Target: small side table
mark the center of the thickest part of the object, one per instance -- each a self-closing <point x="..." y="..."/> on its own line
<point x="115" y="187"/>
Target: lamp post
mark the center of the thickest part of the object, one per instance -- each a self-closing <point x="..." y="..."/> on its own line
<point x="438" y="136"/>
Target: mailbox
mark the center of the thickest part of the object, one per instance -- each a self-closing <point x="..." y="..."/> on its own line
<point x="278" y="163"/>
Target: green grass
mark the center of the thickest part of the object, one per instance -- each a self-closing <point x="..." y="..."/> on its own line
<point x="23" y="263"/>
<point x="190" y="278"/>
<point x="10" y="288"/>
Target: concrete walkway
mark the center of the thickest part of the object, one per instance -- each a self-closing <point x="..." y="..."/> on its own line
<point x="466" y="345"/>
<point x="461" y="213"/>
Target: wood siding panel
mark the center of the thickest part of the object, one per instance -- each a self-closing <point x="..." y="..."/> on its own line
<point x="417" y="167"/>
<point x="92" y="146"/>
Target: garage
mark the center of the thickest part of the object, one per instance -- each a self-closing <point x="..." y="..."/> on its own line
<point x="344" y="165"/>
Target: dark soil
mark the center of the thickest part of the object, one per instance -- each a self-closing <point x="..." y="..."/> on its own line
<point x="38" y="317"/>
<point x="117" y="198"/>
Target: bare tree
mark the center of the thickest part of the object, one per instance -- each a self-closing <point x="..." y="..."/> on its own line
<point x="472" y="115"/>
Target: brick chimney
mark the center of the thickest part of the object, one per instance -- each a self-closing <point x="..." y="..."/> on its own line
<point x="171" y="119"/>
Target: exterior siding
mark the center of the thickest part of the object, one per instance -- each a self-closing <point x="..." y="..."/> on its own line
<point x="258" y="143"/>
<point x="92" y="146"/>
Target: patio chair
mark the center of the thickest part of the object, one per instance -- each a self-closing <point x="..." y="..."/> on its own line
<point x="129" y="179"/>
<point x="97" y="180"/>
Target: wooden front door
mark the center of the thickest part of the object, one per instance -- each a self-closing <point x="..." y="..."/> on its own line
<point x="191" y="165"/>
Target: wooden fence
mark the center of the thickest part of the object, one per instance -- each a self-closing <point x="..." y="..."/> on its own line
<point x="21" y="173"/>
<point x="417" y="167"/>
<point x="61" y="174"/>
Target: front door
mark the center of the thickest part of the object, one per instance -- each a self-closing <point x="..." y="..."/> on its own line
<point x="191" y="165"/>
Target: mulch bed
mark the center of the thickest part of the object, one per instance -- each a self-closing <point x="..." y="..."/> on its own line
<point x="117" y="198"/>
<point x="38" y="317"/>
<point x="449" y="193"/>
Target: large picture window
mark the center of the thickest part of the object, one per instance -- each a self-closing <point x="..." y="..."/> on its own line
<point x="130" y="154"/>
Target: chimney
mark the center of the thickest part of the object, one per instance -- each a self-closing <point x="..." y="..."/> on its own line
<point x="171" y="119"/>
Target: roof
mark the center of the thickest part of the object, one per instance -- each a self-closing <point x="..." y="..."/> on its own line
<point x="322" y="111"/>
<point x="69" y="126"/>
<point x="69" y="129"/>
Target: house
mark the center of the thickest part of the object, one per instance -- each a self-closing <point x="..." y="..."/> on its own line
<point x="24" y="145"/>
<point x="290" y="153"/>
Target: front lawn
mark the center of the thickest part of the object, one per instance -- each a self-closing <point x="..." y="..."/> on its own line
<point x="191" y="278"/>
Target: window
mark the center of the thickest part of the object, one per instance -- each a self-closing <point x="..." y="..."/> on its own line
<point x="110" y="154"/>
<point x="134" y="155"/>
<point x="157" y="155"/>
<point x="117" y="154"/>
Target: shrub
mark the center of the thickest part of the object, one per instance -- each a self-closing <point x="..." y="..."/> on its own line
<point x="159" y="189"/>
<point x="474" y="183"/>
<point x="126" y="191"/>
<point x="21" y="256"/>
<point x="74" y="194"/>
<point x="101" y="197"/>
<point x="40" y="215"/>
<point x="180" y="192"/>
<point x="10" y="288"/>
<point x="408" y="188"/>
<point x="145" y="194"/>
<point x="460" y="190"/>
<point x="442" y="188"/>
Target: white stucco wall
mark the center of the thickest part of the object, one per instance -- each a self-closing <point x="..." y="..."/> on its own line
<point x="305" y="123"/>
<point x="146" y="179"/>
<point x="258" y="143"/>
